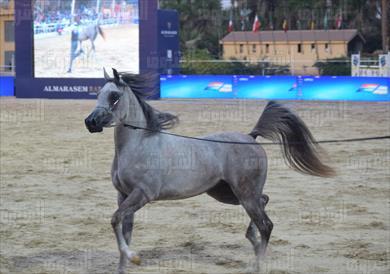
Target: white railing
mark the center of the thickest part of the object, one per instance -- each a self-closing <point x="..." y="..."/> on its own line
<point x="7" y="70"/>
<point x="44" y="28"/>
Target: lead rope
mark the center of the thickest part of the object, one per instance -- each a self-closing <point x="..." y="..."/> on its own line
<point x="256" y="143"/>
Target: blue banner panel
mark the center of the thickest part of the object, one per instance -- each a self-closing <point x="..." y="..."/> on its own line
<point x="6" y="86"/>
<point x="266" y="87"/>
<point x="345" y="88"/>
<point x="276" y="87"/>
<point x="196" y="86"/>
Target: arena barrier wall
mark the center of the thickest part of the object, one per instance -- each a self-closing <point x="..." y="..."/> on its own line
<point x="275" y="87"/>
<point x="7" y="86"/>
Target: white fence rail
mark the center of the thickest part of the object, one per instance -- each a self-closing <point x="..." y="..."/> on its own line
<point x="7" y="70"/>
<point x="49" y="28"/>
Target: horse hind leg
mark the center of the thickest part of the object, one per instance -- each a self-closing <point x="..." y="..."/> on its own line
<point x="261" y="221"/>
<point x="251" y="232"/>
<point x="255" y="208"/>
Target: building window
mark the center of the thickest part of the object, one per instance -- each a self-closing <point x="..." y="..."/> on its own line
<point x="266" y="48"/>
<point x="9" y="60"/>
<point x="299" y="48"/>
<point x="326" y="47"/>
<point x="313" y="47"/>
<point x="9" y="30"/>
<point x="254" y="48"/>
<point x="4" y="4"/>
<point x="241" y="48"/>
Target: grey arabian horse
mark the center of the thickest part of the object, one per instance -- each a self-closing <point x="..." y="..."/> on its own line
<point x="216" y="168"/>
<point x="80" y="34"/>
<point x="90" y="32"/>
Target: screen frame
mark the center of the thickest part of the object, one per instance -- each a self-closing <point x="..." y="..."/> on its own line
<point x="27" y="86"/>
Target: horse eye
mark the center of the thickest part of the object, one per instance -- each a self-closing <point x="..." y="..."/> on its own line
<point x="114" y="97"/>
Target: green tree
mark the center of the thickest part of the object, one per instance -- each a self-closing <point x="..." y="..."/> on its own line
<point x="200" y="24"/>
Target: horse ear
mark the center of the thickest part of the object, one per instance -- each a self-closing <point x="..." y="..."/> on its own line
<point x="106" y="76"/>
<point x="116" y="75"/>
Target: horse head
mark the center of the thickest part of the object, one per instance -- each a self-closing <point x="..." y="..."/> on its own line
<point x="112" y="104"/>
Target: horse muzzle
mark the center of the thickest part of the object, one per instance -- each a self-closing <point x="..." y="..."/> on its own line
<point x="97" y="120"/>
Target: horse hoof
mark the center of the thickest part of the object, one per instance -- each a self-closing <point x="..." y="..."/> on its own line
<point x="135" y="260"/>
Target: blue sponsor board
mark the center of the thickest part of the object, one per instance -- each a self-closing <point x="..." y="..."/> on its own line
<point x="6" y="86"/>
<point x="266" y="87"/>
<point x="168" y="42"/>
<point x="196" y="86"/>
<point x="275" y="87"/>
<point x="345" y="88"/>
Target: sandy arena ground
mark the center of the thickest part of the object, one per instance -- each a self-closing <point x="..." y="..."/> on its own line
<point x="57" y="198"/>
<point x="120" y="47"/>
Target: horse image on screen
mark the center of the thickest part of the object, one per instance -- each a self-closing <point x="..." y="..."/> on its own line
<point x="76" y="38"/>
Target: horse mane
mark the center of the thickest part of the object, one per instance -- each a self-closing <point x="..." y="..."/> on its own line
<point x="143" y="86"/>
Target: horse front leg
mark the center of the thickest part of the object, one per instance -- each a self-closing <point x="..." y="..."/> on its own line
<point x="81" y="51"/>
<point x="93" y="45"/>
<point x="127" y="229"/>
<point x="128" y="221"/>
<point x="121" y="220"/>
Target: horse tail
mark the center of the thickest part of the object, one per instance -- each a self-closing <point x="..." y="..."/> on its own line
<point x="279" y="124"/>
<point x="101" y="32"/>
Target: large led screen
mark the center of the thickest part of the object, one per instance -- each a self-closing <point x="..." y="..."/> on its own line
<point x="77" y="38"/>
